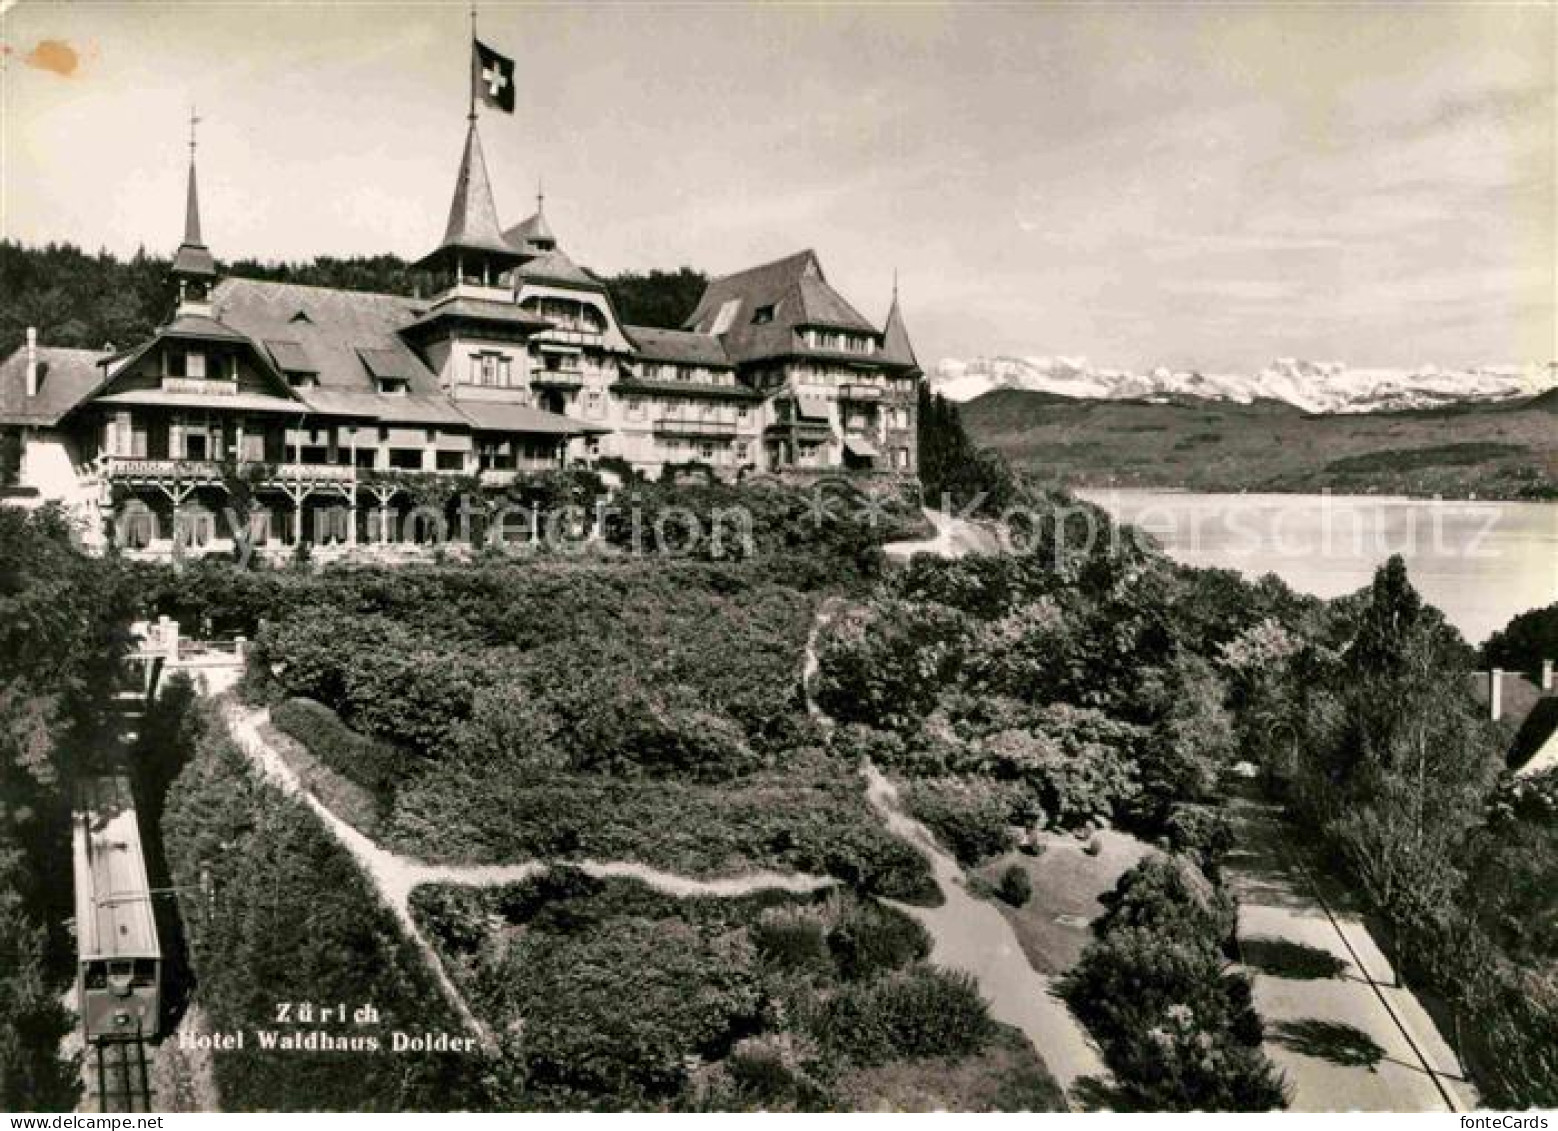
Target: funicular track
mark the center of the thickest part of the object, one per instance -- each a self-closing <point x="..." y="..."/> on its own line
<point x="120" y="1078"/>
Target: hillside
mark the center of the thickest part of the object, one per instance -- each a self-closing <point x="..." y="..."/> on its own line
<point x="1506" y="450"/>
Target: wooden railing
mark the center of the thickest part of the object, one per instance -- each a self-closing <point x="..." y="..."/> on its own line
<point x="718" y="428"/>
<point x="205" y="470"/>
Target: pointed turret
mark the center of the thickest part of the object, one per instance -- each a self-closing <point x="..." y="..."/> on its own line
<point x="194" y="270"/>
<point x="473" y="246"/>
<point x="533" y="235"/>
<point x="896" y="347"/>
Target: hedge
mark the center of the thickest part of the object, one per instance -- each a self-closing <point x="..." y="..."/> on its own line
<point x="376" y="766"/>
<point x="276" y="911"/>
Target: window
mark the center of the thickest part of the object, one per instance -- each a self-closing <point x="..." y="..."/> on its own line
<point x="740" y="449"/>
<point x="194" y="364"/>
<point x="451" y="461"/>
<point x="635" y="408"/>
<point x="742" y="414"/>
<point x="706" y="451"/>
<point x="406" y="459"/>
<point x="194" y="445"/>
<point x="313" y="454"/>
<point x="901" y="458"/>
<point x="392" y="386"/>
<point x="594" y="406"/>
<point x="763" y="315"/>
<point x="727" y="315"/>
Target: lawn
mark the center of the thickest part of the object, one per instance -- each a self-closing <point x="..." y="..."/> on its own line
<point x="1052" y="927"/>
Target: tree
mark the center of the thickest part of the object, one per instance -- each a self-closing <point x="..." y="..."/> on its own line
<point x="1526" y="641"/>
<point x="663" y="299"/>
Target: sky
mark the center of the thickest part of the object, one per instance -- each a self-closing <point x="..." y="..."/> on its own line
<point x="1204" y="186"/>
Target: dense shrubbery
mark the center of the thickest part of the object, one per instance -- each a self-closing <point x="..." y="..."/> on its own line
<point x="1057" y="686"/>
<point x="643" y="711"/>
<point x="1364" y="723"/>
<point x="1177" y="1030"/>
<point x="634" y="999"/>
<point x="922" y="1011"/>
<point x="62" y="634"/>
<point x="810" y="817"/>
<point x="1523" y="643"/>
<point x="971" y="816"/>
<point x="823" y="536"/>
<point x="376" y="766"/>
<point x="276" y="911"/>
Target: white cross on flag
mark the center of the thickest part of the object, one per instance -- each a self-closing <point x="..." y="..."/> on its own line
<point x="492" y="77"/>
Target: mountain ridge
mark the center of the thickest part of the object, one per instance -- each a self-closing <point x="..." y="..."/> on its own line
<point x="1318" y="387"/>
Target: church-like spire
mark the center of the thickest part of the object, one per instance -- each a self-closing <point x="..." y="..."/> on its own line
<point x="193" y="266"/>
<point x="473" y="239"/>
<point x="896" y="347"/>
<point x="192" y="211"/>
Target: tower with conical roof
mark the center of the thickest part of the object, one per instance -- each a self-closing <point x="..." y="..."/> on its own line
<point x="896" y="347"/>
<point x="473" y="251"/>
<point x="194" y="269"/>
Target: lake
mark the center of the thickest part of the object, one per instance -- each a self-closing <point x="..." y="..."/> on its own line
<point x="1479" y="562"/>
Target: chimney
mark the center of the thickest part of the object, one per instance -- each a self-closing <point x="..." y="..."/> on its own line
<point x="1547" y="675"/>
<point x="1496" y="694"/>
<point x="32" y="361"/>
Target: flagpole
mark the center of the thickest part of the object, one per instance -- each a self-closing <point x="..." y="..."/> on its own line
<point x="471" y="55"/>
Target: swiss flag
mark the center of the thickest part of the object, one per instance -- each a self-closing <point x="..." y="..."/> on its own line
<point x="492" y="77"/>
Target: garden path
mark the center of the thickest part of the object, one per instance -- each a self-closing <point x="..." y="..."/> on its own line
<point x="1347" y="1037"/>
<point x="395" y="876"/>
<point x="968" y="933"/>
<point x="954" y="538"/>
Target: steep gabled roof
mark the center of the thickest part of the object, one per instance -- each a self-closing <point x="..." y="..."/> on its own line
<point x="337" y="325"/>
<point x="65" y="378"/>
<point x="758" y="311"/>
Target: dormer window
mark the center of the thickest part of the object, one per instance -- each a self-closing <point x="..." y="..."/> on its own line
<point x="763" y="315"/>
<point x="186" y="363"/>
<point x="393" y="386"/>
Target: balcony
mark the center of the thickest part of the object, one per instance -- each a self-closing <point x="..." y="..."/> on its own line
<point x="860" y="392"/>
<point x="706" y="429"/>
<point x="557" y="378"/>
<point x="567" y="332"/>
<point x="123" y="469"/>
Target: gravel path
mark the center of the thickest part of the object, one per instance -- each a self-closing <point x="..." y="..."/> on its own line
<point x="955" y="537"/>
<point x="1316" y="1025"/>
<point x="968" y="933"/>
<point x="396" y="876"/>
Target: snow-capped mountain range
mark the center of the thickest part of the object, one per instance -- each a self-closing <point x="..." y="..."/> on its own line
<point x="1327" y="386"/>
